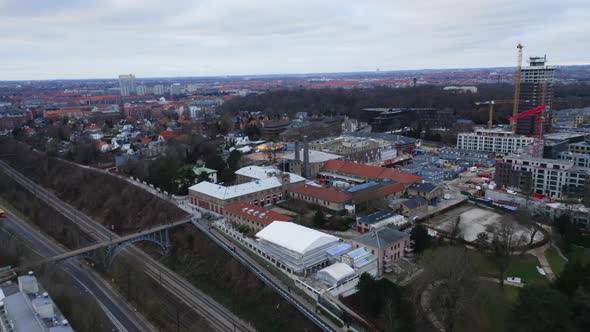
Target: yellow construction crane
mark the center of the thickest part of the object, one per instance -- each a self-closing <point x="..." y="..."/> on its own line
<point x="517" y="85"/>
<point x="491" y="109"/>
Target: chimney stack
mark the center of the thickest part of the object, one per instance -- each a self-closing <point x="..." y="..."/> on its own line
<point x="305" y="157"/>
<point x="297" y="152"/>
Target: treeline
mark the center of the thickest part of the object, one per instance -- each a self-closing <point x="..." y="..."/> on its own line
<point x="194" y="255"/>
<point x="112" y="201"/>
<point x="350" y="101"/>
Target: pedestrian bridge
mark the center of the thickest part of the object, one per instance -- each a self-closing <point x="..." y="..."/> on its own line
<point x="156" y="234"/>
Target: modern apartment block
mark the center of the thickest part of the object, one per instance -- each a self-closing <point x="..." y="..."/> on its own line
<point x="548" y="177"/>
<point x="492" y="140"/>
<point x="127" y="85"/>
<point x="536" y="88"/>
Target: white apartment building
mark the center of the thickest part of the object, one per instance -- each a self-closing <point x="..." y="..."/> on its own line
<point x="127" y="84"/>
<point x="549" y="177"/>
<point x="493" y="140"/>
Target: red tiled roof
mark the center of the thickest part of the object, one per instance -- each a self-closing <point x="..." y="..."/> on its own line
<point x="167" y="134"/>
<point x="256" y="213"/>
<point x="145" y="140"/>
<point x="371" y="172"/>
<point x="391" y="189"/>
<point x="326" y="194"/>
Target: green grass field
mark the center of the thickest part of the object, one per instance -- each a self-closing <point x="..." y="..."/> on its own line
<point x="524" y="267"/>
<point x="581" y="254"/>
<point x="555" y="261"/>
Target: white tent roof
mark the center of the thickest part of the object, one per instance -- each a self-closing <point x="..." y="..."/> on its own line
<point x="294" y="237"/>
<point x="338" y="271"/>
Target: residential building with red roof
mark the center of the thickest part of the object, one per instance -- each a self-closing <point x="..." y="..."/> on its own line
<point x="252" y="216"/>
<point x="166" y="135"/>
<point x="327" y="198"/>
<point x="347" y="170"/>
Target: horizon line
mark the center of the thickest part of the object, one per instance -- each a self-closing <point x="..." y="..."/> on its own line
<point x="279" y="74"/>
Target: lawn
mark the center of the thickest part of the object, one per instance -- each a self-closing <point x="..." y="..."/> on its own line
<point x="555" y="261"/>
<point x="581" y="255"/>
<point x="524" y="267"/>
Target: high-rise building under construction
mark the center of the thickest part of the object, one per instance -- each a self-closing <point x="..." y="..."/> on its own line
<point x="536" y="88"/>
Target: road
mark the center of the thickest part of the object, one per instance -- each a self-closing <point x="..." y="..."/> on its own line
<point x="124" y="318"/>
<point x="218" y="317"/>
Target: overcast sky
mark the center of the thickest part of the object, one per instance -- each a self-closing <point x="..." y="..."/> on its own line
<point x="49" y="39"/>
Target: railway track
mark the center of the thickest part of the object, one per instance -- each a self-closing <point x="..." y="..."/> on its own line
<point x="217" y="316"/>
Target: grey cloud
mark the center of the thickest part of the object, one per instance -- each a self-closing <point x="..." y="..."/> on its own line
<point x="78" y="39"/>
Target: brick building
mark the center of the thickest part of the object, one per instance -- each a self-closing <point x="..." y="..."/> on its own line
<point x="253" y="216"/>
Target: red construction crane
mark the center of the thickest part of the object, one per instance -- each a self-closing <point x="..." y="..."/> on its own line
<point x="538" y="132"/>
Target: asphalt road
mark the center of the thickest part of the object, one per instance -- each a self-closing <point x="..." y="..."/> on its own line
<point x="122" y="316"/>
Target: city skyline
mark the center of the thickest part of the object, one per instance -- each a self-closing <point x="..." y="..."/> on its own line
<point x="100" y="39"/>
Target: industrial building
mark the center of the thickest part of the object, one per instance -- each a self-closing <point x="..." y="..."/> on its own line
<point x="253" y="173"/>
<point x="492" y="140"/>
<point x="215" y="197"/>
<point x="388" y="119"/>
<point x="26" y="307"/>
<point x="403" y="143"/>
<point x="316" y="160"/>
<point x="360" y="173"/>
<point x="296" y="248"/>
<point x="326" y="198"/>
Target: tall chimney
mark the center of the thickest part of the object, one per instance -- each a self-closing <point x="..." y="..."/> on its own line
<point x="305" y="157"/>
<point x="297" y="152"/>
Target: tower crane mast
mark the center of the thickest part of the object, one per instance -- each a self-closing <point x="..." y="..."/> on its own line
<point x="517" y="86"/>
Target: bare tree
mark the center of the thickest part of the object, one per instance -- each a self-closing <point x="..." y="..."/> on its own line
<point x="452" y="277"/>
<point x="505" y="241"/>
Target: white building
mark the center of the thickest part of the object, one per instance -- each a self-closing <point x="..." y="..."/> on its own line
<point x="578" y="213"/>
<point x="336" y="274"/>
<point x="127" y="84"/>
<point x="296" y="248"/>
<point x="175" y="89"/>
<point x="159" y="89"/>
<point x="26" y="307"/>
<point x="143" y="90"/>
<point x="548" y="177"/>
<point x="494" y="140"/>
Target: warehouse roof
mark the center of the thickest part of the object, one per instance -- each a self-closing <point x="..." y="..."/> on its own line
<point x="259" y="172"/>
<point x="222" y="192"/>
<point x="314" y="156"/>
<point x="326" y="194"/>
<point x="295" y="237"/>
<point x="371" y="172"/>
